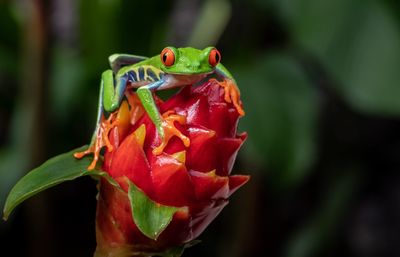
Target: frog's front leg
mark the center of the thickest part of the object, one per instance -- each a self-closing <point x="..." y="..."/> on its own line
<point x="165" y="123"/>
<point x="232" y="92"/>
<point x="109" y="99"/>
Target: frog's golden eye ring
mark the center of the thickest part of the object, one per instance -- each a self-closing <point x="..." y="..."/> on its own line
<point x="214" y="58"/>
<point x="167" y="56"/>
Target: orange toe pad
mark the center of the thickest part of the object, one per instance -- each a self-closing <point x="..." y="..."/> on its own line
<point x="232" y="94"/>
<point x="170" y="130"/>
<point x="100" y="140"/>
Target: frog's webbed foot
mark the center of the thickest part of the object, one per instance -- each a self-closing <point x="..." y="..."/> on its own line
<point x="99" y="140"/>
<point x="232" y="94"/>
<point x="169" y="130"/>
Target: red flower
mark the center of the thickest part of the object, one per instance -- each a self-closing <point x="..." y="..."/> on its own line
<point x="195" y="179"/>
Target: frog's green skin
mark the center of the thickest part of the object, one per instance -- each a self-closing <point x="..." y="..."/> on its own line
<point x="150" y="74"/>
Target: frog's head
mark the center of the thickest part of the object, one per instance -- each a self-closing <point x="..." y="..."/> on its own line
<point x="189" y="60"/>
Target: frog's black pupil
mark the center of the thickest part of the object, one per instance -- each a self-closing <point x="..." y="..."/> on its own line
<point x="217" y="57"/>
<point x="164" y="58"/>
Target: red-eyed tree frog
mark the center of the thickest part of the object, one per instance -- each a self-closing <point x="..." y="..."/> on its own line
<point x="174" y="67"/>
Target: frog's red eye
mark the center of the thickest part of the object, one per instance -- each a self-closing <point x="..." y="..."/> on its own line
<point x="214" y="58"/>
<point x="167" y="56"/>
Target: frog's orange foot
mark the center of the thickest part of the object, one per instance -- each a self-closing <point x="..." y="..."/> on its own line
<point x="101" y="140"/>
<point x="106" y="126"/>
<point x="92" y="149"/>
<point x="170" y="130"/>
<point x="232" y="94"/>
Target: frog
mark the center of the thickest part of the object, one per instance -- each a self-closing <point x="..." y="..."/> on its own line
<point x="172" y="68"/>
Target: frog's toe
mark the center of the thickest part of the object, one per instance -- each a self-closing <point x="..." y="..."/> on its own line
<point x="93" y="148"/>
<point x="169" y="129"/>
<point x="80" y="155"/>
<point x="100" y="140"/>
<point x="232" y="94"/>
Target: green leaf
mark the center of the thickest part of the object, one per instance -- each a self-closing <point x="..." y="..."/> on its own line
<point x="150" y="217"/>
<point x="56" y="170"/>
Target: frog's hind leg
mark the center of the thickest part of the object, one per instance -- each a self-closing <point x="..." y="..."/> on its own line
<point x="117" y="61"/>
<point x="103" y="126"/>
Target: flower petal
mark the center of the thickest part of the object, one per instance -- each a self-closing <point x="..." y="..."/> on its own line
<point x="223" y="119"/>
<point x="202" y="153"/>
<point x="177" y="100"/>
<point x="236" y="181"/>
<point x="211" y="90"/>
<point x="228" y="149"/>
<point x="197" y="111"/>
<point x="129" y="160"/>
<point x="171" y="180"/>
<point x="123" y="120"/>
<point x="209" y="185"/>
<point x="204" y="213"/>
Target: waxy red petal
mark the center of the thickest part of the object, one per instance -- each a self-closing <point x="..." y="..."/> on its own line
<point x="130" y="161"/>
<point x="197" y="112"/>
<point x="223" y="119"/>
<point x="209" y="185"/>
<point x="211" y="90"/>
<point x="204" y="213"/>
<point x="228" y="149"/>
<point x="178" y="100"/>
<point x="236" y="181"/>
<point x="203" y="152"/>
<point x="172" y="184"/>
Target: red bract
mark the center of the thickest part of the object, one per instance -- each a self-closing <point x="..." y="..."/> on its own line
<point x="196" y="178"/>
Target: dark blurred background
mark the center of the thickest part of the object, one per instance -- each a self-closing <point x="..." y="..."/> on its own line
<point x="320" y="81"/>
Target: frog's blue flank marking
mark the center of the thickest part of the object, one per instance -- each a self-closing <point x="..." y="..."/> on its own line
<point x="132" y="76"/>
<point x="152" y="75"/>
<point x="141" y="74"/>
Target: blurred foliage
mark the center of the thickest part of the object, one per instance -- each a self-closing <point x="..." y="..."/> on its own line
<point x="358" y="42"/>
<point x="320" y="85"/>
<point x="283" y="102"/>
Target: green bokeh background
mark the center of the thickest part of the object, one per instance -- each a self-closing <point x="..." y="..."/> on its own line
<point x="320" y="82"/>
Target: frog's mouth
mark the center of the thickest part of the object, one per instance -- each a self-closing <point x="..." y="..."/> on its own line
<point x="177" y="80"/>
<point x="189" y="78"/>
<point x="191" y="73"/>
